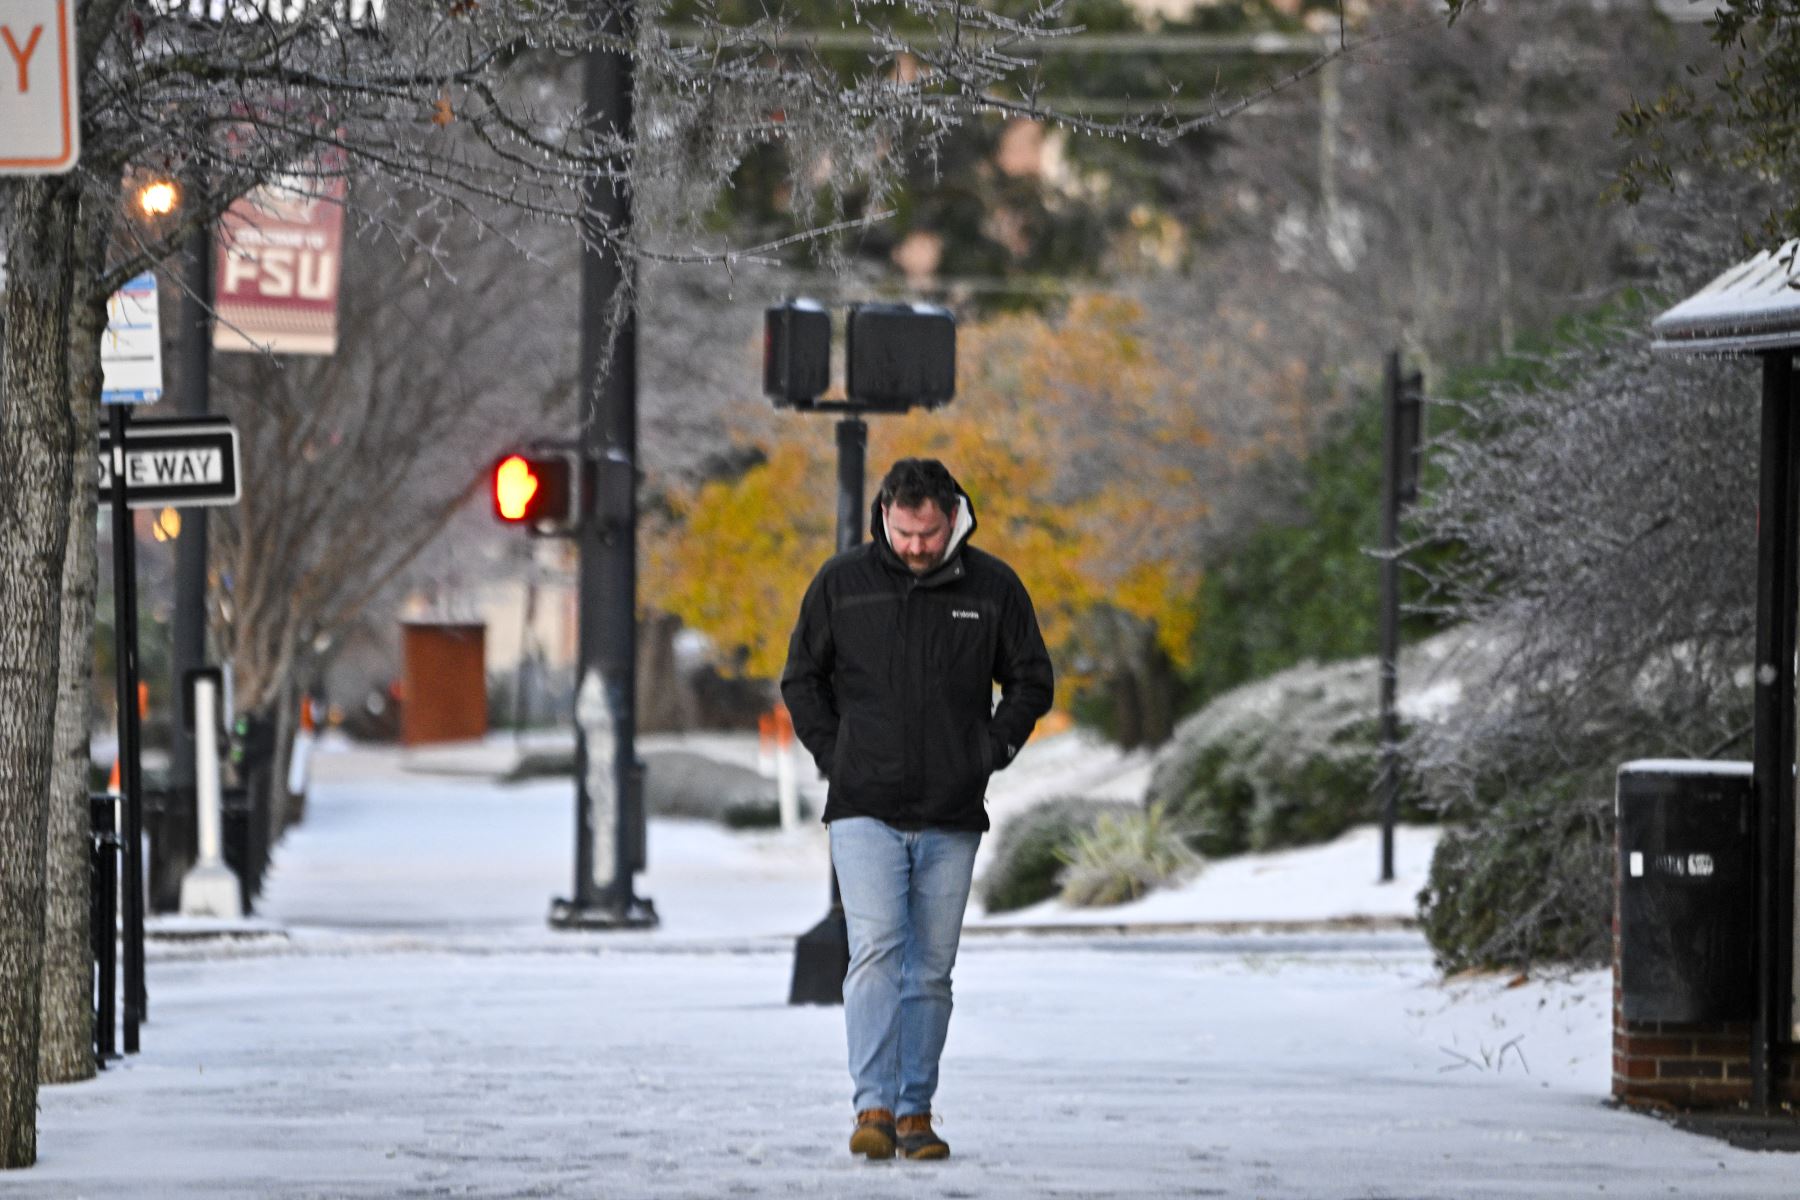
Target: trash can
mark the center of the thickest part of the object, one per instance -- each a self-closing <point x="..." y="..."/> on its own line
<point x="1687" y="887"/>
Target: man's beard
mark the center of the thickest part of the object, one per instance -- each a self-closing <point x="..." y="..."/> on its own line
<point x="920" y="564"/>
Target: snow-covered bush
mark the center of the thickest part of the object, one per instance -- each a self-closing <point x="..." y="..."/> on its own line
<point x="1027" y="865"/>
<point x="1125" y="855"/>
<point x="681" y="784"/>
<point x="1606" y="505"/>
<point x="1294" y="758"/>
<point x="1529" y="882"/>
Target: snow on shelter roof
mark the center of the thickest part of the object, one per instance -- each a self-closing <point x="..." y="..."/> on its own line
<point x="1754" y="306"/>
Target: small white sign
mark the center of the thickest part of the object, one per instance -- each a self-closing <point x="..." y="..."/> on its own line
<point x="131" y="351"/>
<point x="40" y="123"/>
<point x="1637" y="864"/>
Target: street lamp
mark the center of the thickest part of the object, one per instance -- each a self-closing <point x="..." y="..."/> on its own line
<point x="158" y="198"/>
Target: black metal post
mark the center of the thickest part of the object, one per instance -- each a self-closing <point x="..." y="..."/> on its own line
<point x="130" y="774"/>
<point x="1781" y="912"/>
<point x="193" y="352"/>
<point x="853" y="453"/>
<point x="105" y="931"/>
<point x="1774" y="715"/>
<point x="604" y="896"/>
<point x="853" y="447"/>
<point x="822" y="953"/>
<point x="1392" y="450"/>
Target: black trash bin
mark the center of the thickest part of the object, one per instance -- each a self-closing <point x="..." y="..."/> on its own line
<point x="1687" y="885"/>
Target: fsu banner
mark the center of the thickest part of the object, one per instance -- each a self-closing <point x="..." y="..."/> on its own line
<point x="279" y="255"/>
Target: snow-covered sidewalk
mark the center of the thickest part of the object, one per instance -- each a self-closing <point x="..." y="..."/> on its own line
<point x="418" y="1031"/>
<point x="400" y="843"/>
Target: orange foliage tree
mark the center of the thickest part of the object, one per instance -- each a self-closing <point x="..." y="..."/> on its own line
<point x="1086" y="442"/>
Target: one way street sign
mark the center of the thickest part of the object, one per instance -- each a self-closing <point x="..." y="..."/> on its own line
<point x="178" y="462"/>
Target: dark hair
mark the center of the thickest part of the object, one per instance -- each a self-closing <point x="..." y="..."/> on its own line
<point x="912" y="481"/>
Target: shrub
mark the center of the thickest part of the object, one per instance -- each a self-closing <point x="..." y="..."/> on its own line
<point x="1289" y="760"/>
<point x="1529" y="881"/>
<point x="1213" y="799"/>
<point x="1026" y="867"/>
<point x="1123" y="856"/>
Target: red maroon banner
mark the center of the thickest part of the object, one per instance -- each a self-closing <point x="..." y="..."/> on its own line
<point x="280" y="252"/>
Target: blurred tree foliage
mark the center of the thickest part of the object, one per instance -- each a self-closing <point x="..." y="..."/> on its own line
<point x="1001" y="198"/>
<point x="1081" y="441"/>
<point x="1743" y="114"/>
<point x="1302" y="586"/>
<point x="1304" y="583"/>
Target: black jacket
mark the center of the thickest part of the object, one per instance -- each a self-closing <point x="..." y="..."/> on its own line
<point x="890" y="680"/>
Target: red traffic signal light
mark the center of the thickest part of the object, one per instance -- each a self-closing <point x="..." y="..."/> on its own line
<point x="536" y="490"/>
<point x="796" y="353"/>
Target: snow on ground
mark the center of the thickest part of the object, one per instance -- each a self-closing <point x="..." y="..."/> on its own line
<point x="372" y="853"/>
<point x="419" y="1032"/>
<point x="1138" y="1067"/>
<point x="1338" y="881"/>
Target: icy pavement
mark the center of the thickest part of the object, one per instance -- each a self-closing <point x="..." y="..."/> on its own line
<point x="421" y="1033"/>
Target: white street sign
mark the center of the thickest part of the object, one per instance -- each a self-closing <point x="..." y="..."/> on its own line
<point x="131" y="351"/>
<point x="180" y="462"/>
<point x="40" y="125"/>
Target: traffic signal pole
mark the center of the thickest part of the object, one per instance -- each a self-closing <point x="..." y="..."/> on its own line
<point x="193" y="349"/>
<point x="609" y="821"/>
<point x="822" y="953"/>
<point x="896" y="357"/>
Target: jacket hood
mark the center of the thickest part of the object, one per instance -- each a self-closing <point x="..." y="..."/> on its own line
<point x="960" y="528"/>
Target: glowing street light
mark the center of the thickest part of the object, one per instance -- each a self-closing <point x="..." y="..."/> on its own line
<point x="158" y="198"/>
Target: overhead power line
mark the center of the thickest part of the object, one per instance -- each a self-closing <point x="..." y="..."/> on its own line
<point x="1221" y="45"/>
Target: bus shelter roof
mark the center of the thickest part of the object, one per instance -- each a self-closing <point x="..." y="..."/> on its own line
<point x="1751" y="308"/>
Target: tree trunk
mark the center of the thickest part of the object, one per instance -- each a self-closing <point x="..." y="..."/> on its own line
<point x="288" y="809"/>
<point x="35" y="444"/>
<point x="66" y="1043"/>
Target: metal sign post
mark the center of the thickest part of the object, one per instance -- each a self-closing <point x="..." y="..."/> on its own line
<point x="131" y="785"/>
<point x="1403" y="406"/>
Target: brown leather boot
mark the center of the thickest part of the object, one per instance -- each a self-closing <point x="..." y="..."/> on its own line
<point x="917" y="1140"/>
<point x="874" y="1134"/>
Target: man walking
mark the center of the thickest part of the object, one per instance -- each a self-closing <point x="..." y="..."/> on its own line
<point x="890" y="679"/>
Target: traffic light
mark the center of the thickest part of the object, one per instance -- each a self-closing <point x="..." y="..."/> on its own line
<point x="538" y="490"/>
<point x="900" y="356"/>
<point x="796" y="353"/>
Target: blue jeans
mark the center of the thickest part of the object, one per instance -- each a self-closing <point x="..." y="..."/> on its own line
<point x="904" y="895"/>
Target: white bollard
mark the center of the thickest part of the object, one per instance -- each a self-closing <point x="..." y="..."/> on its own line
<point x="787" y="784"/>
<point x="765" y="745"/>
<point x="209" y="889"/>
